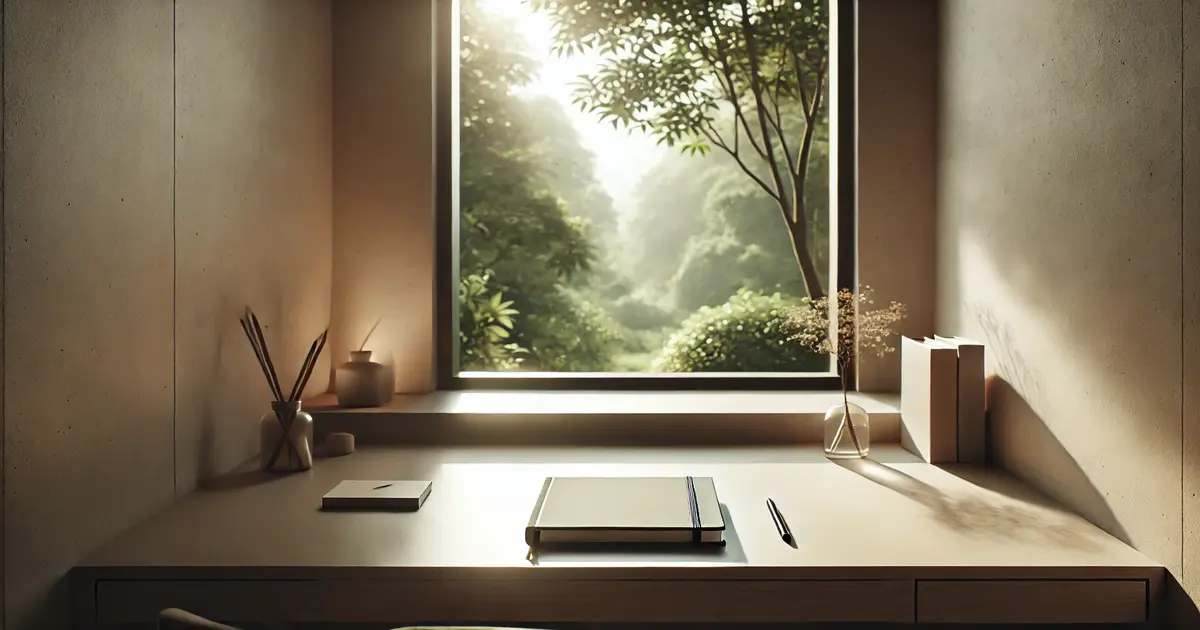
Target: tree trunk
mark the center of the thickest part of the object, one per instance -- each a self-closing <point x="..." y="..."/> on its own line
<point x="798" y="232"/>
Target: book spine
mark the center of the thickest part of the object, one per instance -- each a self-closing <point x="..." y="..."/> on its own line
<point x="532" y="533"/>
<point x="972" y="440"/>
<point x="694" y="508"/>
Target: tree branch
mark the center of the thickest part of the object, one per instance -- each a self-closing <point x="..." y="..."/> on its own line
<point x="756" y="88"/>
<point x="800" y="84"/>
<point x="728" y="84"/>
<point x="777" y="124"/>
<point x="716" y="141"/>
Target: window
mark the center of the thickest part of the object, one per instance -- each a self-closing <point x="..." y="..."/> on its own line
<point x="631" y="194"/>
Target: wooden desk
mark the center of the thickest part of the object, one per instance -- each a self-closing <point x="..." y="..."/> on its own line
<point x="889" y="540"/>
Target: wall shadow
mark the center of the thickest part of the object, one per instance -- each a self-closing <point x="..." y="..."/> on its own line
<point x="1045" y="463"/>
<point x="971" y="515"/>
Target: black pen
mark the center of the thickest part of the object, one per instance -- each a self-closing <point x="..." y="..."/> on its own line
<point x="780" y="524"/>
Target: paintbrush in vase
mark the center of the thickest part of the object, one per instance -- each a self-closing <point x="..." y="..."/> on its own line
<point x="306" y="370"/>
<point x="258" y="343"/>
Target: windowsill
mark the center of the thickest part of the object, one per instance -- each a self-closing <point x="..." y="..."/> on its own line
<point x="601" y="418"/>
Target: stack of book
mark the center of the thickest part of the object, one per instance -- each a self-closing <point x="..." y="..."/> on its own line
<point x="942" y="400"/>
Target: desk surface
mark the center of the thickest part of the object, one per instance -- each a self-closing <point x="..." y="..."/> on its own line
<point x="890" y="517"/>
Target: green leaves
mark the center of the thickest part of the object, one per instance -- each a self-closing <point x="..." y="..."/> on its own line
<point x="485" y="322"/>
<point x="743" y="335"/>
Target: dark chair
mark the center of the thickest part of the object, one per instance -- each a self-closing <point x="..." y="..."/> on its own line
<point x="176" y="619"/>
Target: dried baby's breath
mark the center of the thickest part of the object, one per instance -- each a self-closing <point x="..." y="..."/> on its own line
<point x="854" y="321"/>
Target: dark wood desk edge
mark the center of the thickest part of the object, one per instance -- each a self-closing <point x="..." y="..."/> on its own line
<point x="87" y="580"/>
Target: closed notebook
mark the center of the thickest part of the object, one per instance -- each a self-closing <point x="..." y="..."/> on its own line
<point x="362" y="494"/>
<point x="929" y="399"/>
<point x="680" y="510"/>
<point x="972" y="441"/>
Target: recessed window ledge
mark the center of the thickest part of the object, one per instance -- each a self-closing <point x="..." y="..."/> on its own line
<point x="602" y="417"/>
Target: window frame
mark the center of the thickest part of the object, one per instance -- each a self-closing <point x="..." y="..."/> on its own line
<point x="446" y="225"/>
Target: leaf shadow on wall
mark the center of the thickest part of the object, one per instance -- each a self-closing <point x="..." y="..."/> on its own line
<point x="1013" y="424"/>
<point x="1059" y="216"/>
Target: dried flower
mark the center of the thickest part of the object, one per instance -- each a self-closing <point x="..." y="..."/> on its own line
<point x="854" y="327"/>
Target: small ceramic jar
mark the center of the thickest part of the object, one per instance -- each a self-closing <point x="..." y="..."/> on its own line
<point x="364" y="383"/>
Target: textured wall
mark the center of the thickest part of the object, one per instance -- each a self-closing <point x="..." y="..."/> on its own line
<point x="897" y="158"/>
<point x="124" y="367"/>
<point x="1060" y="191"/>
<point x="88" y="285"/>
<point x="253" y="221"/>
<point x="383" y="233"/>
<point x="1191" y="297"/>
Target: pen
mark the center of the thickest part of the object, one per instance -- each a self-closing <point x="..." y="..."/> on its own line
<point x="780" y="524"/>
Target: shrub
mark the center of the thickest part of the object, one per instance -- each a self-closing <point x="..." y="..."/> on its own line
<point x="746" y="334"/>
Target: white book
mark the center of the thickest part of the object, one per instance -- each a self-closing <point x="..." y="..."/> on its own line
<point x="929" y="399"/>
<point x="972" y="399"/>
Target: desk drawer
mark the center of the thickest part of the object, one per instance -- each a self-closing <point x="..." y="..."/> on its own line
<point x="132" y="601"/>
<point x="1031" y="601"/>
<point x="615" y="601"/>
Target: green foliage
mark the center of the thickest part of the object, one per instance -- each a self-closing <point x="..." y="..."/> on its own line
<point x="746" y="334"/>
<point x="668" y="214"/>
<point x="518" y="237"/>
<point x="702" y="76"/>
<point x="636" y="313"/>
<point x="485" y="325"/>
<point x="568" y="168"/>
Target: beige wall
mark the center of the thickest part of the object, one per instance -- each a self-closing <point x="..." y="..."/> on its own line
<point x="1060" y="246"/>
<point x="1191" y="298"/>
<point x="128" y="252"/>
<point x="383" y="234"/>
<point x="253" y="195"/>
<point x="897" y="159"/>
<point x="88" y="286"/>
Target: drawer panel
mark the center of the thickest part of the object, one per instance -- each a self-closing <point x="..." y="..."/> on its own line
<point x="1031" y="601"/>
<point x="129" y="601"/>
<point x="613" y="601"/>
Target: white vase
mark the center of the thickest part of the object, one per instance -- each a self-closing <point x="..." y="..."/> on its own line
<point x="285" y="438"/>
<point x="847" y="440"/>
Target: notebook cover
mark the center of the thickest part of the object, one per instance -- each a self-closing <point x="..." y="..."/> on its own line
<point x="369" y="494"/>
<point x="627" y="507"/>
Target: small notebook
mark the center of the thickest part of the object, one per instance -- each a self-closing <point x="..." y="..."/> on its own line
<point x="588" y="510"/>
<point x="377" y="495"/>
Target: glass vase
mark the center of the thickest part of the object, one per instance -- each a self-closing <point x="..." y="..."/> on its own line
<point x="847" y="440"/>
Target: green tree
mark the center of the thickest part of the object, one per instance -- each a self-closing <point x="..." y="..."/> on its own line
<point x="671" y="67"/>
<point x="516" y="233"/>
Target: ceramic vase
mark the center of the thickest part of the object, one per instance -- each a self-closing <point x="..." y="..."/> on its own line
<point x="847" y="438"/>
<point x="362" y="382"/>
<point x="286" y="438"/>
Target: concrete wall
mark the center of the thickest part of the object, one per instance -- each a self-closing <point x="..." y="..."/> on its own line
<point x="253" y="195"/>
<point x="383" y="233"/>
<point x="1060" y="246"/>
<point x="897" y="116"/>
<point x="158" y="174"/>
<point x="1191" y="297"/>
